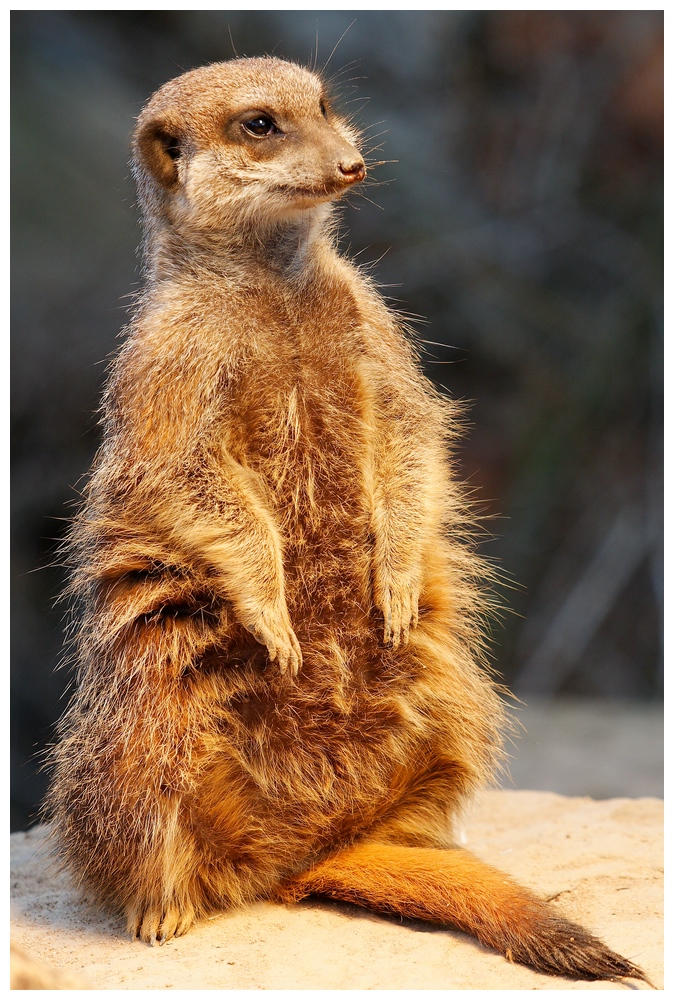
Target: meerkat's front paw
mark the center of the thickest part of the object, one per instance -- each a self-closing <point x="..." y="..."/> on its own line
<point x="273" y="630"/>
<point x="156" y="923"/>
<point x="398" y="601"/>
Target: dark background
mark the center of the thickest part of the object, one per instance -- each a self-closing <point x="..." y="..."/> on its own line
<point x="521" y="217"/>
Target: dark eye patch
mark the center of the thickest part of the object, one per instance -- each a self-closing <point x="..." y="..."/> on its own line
<point x="172" y="146"/>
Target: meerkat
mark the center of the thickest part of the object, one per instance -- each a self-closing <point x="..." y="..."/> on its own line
<point x="280" y="639"/>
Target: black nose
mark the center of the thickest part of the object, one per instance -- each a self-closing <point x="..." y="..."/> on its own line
<point x="352" y="171"/>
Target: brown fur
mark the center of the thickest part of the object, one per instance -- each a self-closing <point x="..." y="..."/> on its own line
<point x="280" y="632"/>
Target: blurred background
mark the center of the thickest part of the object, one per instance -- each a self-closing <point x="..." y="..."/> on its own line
<point x="520" y="216"/>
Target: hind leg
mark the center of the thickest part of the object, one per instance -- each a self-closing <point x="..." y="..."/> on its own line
<point x="123" y="831"/>
<point x="167" y="858"/>
<point x="136" y="741"/>
<point x="206" y="859"/>
<point x="213" y="850"/>
<point x="157" y="914"/>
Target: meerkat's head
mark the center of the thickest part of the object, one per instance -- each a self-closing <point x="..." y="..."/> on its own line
<point x="244" y="143"/>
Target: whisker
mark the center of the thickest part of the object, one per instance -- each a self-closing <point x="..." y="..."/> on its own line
<point x="334" y="79"/>
<point x="436" y="343"/>
<point x="339" y="40"/>
<point x="365" y="198"/>
<point x="374" y="125"/>
<point x="231" y="41"/>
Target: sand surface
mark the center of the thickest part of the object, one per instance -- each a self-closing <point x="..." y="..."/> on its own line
<point x="599" y="862"/>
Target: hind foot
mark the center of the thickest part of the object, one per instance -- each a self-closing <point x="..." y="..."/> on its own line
<point x="156" y="923"/>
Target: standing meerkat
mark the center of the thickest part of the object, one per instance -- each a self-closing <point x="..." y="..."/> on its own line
<point x="279" y="639"/>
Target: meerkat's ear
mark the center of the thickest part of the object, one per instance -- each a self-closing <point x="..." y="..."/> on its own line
<point x="159" y="146"/>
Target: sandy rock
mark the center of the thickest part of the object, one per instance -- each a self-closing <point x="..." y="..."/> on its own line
<point x="599" y="862"/>
<point x="26" y="973"/>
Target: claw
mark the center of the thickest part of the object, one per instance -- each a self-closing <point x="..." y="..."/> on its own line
<point x="400" y="609"/>
<point x="277" y="635"/>
<point x="155" y="924"/>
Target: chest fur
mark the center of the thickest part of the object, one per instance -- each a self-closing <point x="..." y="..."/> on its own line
<point x="301" y="410"/>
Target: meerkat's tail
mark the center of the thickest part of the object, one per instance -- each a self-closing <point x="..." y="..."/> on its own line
<point x="453" y="887"/>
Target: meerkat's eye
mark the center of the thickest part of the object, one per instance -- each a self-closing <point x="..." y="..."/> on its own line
<point x="324" y="110"/>
<point x="260" y="126"/>
<point x="172" y="146"/>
